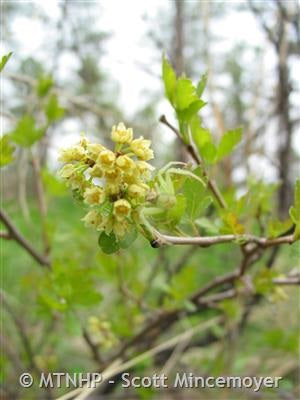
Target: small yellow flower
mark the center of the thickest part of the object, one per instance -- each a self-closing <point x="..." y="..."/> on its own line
<point x="94" y="149"/>
<point x="120" y="228"/>
<point x="94" y="195"/>
<point x="120" y="134"/>
<point x="92" y="218"/>
<point x="106" y="159"/>
<point x="144" y="169"/>
<point x="126" y="164"/>
<point x="122" y="209"/>
<point x="113" y="175"/>
<point x="141" y="148"/>
<point x="112" y="188"/>
<point x="95" y="171"/>
<point x="67" y="171"/>
<point x="137" y="191"/>
<point x="76" y="153"/>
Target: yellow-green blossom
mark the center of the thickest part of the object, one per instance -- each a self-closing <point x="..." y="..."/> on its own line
<point x="76" y="153"/>
<point x="117" y="177"/>
<point x="106" y="159"/>
<point x="122" y="209"/>
<point x="126" y="164"/>
<point x="120" y="134"/>
<point x="92" y="218"/>
<point x="94" y="195"/>
<point x="67" y="171"/>
<point x="94" y="149"/>
<point x="141" y="148"/>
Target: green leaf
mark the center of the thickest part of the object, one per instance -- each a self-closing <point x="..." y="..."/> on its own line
<point x="108" y="243"/>
<point x="53" y="110"/>
<point x="175" y="214"/>
<point x="196" y="196"/>
<point x="232" y="308"/>
<point x="201" y="85"/>
<point x="169" y="78"/>
<point x="25" y="133"/>
<point x="276" y="228"/>
<point x="205" y="223"/>
<point x="44" y="84"/>
<point x="4" y="60"/>
<point x="185" y="93"/>
<point x="263" y="281"/>
<point x="188" y="113"/>
<point x="203" y="140"/>
<point x="6" y="151"/>
<point x="129" y="238"/>
<point x="209" y="152"/>
<point x="229" y="140"/>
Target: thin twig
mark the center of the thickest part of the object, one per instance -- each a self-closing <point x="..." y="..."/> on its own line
<point x="206" y="241"/>
<point x="18" y="237"/>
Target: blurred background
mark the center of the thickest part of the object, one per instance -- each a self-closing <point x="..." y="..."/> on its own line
<point x="82" y="66"/>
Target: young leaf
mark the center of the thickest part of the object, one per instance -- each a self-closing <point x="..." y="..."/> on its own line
<point x="209" y="152"/>
<point x="229" y="140"/>
<point x="201" y="85"/>
<point x="232" y="225"/>
<point x="276" y="228"/>
<point x="108" y="243"/>
<point x="192" y="110"/>
<point x="169" y="78"/>
<point x="53" y="110"/>
<point x="44" y="84"/>
<point x="196" y="198"/>
<point x="203" y="140"/>
<point x="175" y="214"/>
<point x="25" y="133"/>
<point x="6" y="151"/>
<point x="185" y="93"/>
<point x="4" y="60"/>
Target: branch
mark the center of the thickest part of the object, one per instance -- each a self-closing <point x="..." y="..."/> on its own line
<point x="206" y="241"/>
<point x="93" y="347"/>
<point x="19" y="238"/>
<point x="191" y="150"/>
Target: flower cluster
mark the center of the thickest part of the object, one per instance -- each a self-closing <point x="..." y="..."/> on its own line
<point x="112" y="183"/>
